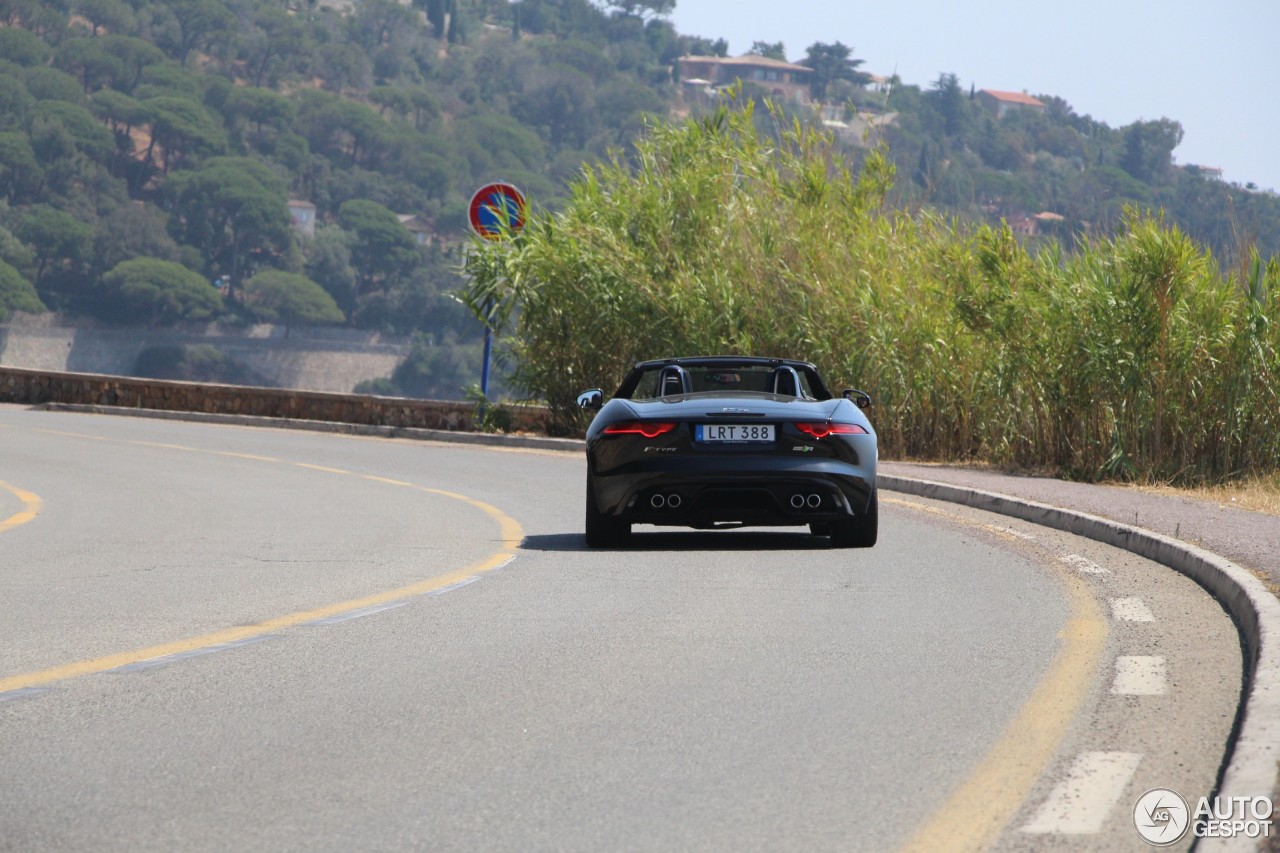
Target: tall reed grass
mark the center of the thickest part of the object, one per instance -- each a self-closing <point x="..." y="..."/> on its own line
<point x="1133" y="357"/>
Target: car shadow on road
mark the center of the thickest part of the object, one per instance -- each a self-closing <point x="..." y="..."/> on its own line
<point x="698" y="540"/>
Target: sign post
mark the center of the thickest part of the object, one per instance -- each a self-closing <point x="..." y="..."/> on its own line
<point x="497" y="210"/>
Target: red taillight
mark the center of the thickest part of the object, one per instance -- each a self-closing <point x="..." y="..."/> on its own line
<point x="649" y="429"/>
<point x="822" y="429"/>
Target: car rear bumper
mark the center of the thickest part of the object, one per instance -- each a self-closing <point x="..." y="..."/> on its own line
<point x="756" y="492"/>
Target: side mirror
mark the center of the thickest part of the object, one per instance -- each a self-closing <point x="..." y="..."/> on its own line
<point x="861" y="399"/>
<point x="591" y="400"/>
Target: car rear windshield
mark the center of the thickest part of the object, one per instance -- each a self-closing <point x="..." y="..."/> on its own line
<point x="734" y="379"/>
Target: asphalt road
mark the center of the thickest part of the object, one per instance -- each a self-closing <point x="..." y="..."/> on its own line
<point x="218" y="638"/>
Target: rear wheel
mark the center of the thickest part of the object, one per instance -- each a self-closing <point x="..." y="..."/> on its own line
<point x="603" y="530"/>
<point x="861" y="531"/>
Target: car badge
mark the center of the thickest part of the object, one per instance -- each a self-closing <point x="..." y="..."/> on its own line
<point x="734" y="411"/>
<point x="803" y="448"/>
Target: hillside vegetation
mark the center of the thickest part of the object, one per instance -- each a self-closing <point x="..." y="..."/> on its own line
<point x="1134" y="356"/>
<point x="175" y="132"/>
<point x="954" y="154"/>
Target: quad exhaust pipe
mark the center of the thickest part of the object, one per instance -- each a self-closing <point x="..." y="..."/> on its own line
<point x="812" y="501"/>
<point x="671" y="501"/>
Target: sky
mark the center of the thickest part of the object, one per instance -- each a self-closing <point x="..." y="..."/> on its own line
<point x="1214" y="67"/>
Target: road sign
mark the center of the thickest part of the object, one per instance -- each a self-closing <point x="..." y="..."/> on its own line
<point x="494" y="206"/>
<point x="496" y="210"/>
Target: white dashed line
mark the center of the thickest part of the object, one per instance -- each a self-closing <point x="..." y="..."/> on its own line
<point x="1083" y="564"/>
<point x="1080" y="803"/>
<point x="1131" y="610"/>
<point x="1139" y="675"/>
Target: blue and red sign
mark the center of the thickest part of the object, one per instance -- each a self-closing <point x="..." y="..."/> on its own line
<point x="497" y="209"/>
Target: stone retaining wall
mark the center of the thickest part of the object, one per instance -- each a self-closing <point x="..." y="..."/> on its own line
<point x="34" y="387"/>
<point x="317" y="359"/>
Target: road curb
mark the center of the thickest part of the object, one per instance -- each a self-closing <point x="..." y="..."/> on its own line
<point x="1254" y="751"/>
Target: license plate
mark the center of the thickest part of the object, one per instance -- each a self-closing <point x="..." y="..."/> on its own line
<point x="734" y="433"/>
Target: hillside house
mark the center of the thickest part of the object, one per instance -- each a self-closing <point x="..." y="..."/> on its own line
<point x="1213" y="173"/>
<point x="879" y="82"/>
<point x="302" y="215"/>
<point x="783" y="80"/>
<point x="1022" y="225"/>
<point x="1046" y="221"/>
<point x="419" y="228"/>
<point x="1001" y="103"/>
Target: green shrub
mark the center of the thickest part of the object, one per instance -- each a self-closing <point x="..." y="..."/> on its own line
<point x="16" y="293"/>
<point x="437" y="371"/>
<point x="380" y="387"/>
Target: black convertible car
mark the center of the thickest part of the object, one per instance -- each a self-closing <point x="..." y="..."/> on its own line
<point x="729" y="441"/>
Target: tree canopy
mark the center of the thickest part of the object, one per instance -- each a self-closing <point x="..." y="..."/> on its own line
<point x="276" y="296"/>
<point x="831" y="62"/>
<point x="164" y="291"/>
<point x="381" y="248"/>
<point x="233" y="209"/>
<point x="16" y="293"/>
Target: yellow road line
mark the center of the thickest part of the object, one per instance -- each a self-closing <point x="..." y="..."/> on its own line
<point x="321" y="468"/>
<point x="978" y="811"/>
<point x="251" y="456"/>
<point x="510" y="536"/>
<point x="389" y="482"/>
<point x="70" y="434"/>
<point x="30" y="501"/>
<point x="229" y="635"/>
<point x="960" y="519"/>
<point x="932" y="510"/>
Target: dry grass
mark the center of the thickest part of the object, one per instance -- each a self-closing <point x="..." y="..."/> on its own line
<point x="1259" y="494"/>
